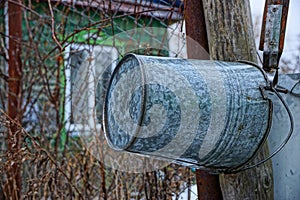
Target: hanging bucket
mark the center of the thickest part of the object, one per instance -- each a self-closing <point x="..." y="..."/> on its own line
<point x="207" y="114"/>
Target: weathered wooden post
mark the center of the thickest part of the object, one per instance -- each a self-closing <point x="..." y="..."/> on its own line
<point x="231" y="38"/>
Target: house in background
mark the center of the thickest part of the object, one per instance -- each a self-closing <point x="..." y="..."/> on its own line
<point x="69" y="49"/>
<point x="92" y="54"/>
<point x="94" y="35"/>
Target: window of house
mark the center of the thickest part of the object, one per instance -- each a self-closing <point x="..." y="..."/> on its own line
<point x="87" y="71"/>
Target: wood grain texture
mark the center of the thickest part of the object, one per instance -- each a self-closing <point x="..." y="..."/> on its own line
<point x="231" y="38"/>
<point x="230" y="30"/>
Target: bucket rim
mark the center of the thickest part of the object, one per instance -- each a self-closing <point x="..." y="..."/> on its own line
<point x="106" y="130"/>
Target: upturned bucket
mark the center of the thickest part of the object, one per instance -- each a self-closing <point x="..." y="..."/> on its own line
<point x="205" y="114"/>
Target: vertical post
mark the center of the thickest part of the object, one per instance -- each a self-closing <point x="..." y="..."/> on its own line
<point x="230" y="30"/>
<point x="196" y="28"/>
<point x="208" y="185"/>
<point x="14" y="20"/>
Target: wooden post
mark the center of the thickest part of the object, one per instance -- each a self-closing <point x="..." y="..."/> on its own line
<point x="14" y="18"/>
<point x="231" y="38"/>
<point x="208" y="185"/>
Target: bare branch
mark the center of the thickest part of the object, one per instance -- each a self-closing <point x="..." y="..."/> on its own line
<point x="54" y="37"/>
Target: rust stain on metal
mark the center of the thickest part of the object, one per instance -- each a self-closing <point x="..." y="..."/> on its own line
<point x="14" y="96"/>
<point x="273" y="33"/>
<point x="285" y="9"/>
<point x="208" y="186"/>
<point x="283" y="22"/>
<point x="196" y="28"/>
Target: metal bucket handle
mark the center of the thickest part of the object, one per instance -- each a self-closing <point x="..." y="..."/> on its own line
<point x="284" y="142"/>
<point x="293" y="88"/>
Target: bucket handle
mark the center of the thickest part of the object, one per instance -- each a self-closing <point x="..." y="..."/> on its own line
<point x="284" y="142"/>
<point x="293" y="88"/>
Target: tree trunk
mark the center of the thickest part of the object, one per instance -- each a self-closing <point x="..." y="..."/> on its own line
<point x="231" y="38"/>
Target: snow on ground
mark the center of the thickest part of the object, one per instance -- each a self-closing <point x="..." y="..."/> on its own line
<point x="184" y="194"/>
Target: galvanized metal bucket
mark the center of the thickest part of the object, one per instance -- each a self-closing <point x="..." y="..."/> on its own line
<point x="207" y="114"/>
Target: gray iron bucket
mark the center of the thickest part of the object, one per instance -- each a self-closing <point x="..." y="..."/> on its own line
<point x="206" y="114"/>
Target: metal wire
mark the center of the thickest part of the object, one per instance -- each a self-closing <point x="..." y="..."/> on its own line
<point x="278" y="149"/>
<point x="293" y="88"/>
<point x="276" y="90"/>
